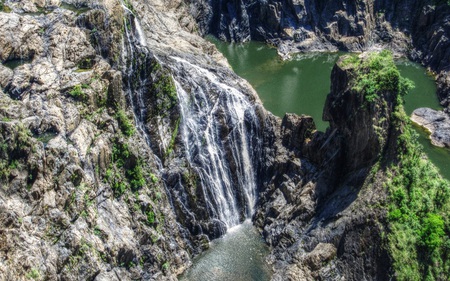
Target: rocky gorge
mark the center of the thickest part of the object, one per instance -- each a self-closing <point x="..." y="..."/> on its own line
<point x="419" y="30"/>
<point x="128" y="144"/>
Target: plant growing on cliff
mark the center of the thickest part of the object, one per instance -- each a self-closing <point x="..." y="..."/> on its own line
<point x="418" y="201"/>
<point x="4" y="8"/>
<point x="33" y="274"/>
<point x="164" y="89"/>
<point x="418" y="210"/>
<point x="377" y="74"/>
<point x="125" y="124"/>
<point x="134" y="173"/>
<point x="77" y="93"/>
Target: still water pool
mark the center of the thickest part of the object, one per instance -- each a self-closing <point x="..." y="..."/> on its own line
<point x="301" y="85"/>
<point x="237" y="256"/>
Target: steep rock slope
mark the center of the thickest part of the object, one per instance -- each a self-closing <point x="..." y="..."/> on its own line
<point x="81" y="196"/>
<point x="96" y="174"/>
<point x="345" y="203"/>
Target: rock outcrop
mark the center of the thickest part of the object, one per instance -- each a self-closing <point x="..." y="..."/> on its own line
<point x="437" y="123"/>
<point x="317" y="211"/>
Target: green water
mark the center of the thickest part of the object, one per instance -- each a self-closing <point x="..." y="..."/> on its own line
<point x="301" y="85"/>
<point x="297" y="86"/>
<point x="237" y="256"/>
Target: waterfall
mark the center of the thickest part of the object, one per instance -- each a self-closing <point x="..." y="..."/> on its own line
<point x="134" y="56"/>
<point x="219" y="130"/>
<point x="223" y="160"/>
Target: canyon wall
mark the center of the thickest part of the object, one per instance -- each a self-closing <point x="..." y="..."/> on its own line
<point x="418" y="29"/>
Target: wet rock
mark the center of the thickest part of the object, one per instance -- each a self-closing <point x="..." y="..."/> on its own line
<point x="437" y="123"/>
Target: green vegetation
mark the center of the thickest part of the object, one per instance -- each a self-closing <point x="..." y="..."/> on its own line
<point x="151" y="217"/>
<point x="419" y="198"/>
<point x="4" y="8"/>
<point x="13" y="150"/>
<point x="165" y="266"/>
<point x="33" y="274"/>
<point x="129" y="5"/>
<point x="125" y="124"/>
<point x="77" y="92"/>
<point x="418" y="214"/>
<point x="173" y="138"/>
<point x="377" y="74"/>
<point x="134" y="175"/>
<point x="164" y="90"/>
<point x="86" y="64"/>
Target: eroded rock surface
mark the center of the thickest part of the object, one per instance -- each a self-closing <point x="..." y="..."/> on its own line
<point x="83" y="194"/>
<point x="316" y="211"/>
<point x="437" y="123"/>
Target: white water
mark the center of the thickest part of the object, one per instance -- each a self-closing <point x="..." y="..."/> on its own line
<point x="205" y="145"/>
<point x="218" y="123"/>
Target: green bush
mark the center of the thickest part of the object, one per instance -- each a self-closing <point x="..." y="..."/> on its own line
<point x="377" y="74"/>
<point x="136" y="177"/>
<point x="151" y="217"/>
<point x="77" y="93"/>
<point x="419" y="204"/>
<point x="432" y="231"/>
<point x="125" y="124"/>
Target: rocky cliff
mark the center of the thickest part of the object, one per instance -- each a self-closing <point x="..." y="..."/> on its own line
<point x="418" y="29"/>
<point x="127" y="143"/>
<point x="342" y="204"/>
<point x="102" y="174"/>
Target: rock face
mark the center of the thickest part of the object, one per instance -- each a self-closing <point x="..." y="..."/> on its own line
<point x="437" y="123"/>
<point x="419" y="29"/>
<point x="96" y="182"/>
<point x="316" y="211"/>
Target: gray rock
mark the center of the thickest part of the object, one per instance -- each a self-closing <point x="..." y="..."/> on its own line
<point x="437" y="123"/>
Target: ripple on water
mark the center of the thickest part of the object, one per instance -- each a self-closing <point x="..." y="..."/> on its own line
<point x="238" y="256"/>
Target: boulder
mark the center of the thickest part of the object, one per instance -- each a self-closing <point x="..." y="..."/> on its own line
<point x="436" y="123"/>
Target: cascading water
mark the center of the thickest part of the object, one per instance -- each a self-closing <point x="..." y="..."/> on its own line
<point x="219" y="131"/>
<point x="217" y="134"/>
<point x="134" y="52"/>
